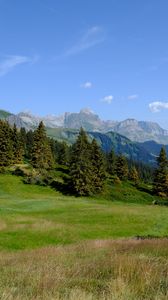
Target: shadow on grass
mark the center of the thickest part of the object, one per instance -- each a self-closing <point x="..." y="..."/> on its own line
<point x="62" y="187"/>
<point x="144" y="189"/>
<point x="150" y="237"/>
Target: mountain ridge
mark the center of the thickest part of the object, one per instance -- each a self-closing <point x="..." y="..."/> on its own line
<point x="107" y="141"/>
<point x="138" y="131"/>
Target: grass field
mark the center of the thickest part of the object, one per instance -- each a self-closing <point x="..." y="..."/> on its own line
<point x="62" y="247"/>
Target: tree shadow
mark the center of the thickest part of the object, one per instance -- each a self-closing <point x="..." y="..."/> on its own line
<point x="62" y="187"/>
<point x="144" y="189"/>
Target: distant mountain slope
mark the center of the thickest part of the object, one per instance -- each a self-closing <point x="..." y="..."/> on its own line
<point x="153" y="148"/>
<point x="4" y="114"/>
<point x="13" y="119"/>
<point x="141" y="131"/>
<point x="107" y="141"/>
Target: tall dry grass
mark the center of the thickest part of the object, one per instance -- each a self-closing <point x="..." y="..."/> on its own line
<point x="107" y="270"/>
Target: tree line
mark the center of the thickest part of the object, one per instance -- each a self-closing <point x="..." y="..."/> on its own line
<point x="88" y="167"/>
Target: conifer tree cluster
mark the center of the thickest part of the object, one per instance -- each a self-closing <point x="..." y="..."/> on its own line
<point x="160" y="183"/>
<point x="118" y="165"/>
<point x="87" y="171"/>
<point x="133" y="175"/>
<point x="11" y="148"/>
<point x="41" y="156"/>
<point x="121" y="167"/>
<point x="19" y="145"/>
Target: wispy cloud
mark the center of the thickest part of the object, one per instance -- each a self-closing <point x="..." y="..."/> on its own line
<point x="133" y="97"/>
<point x="86" y="85"/>
<point x="160" y="63"/>
<point x="157" y="106"/>
<point x="107" y="99"/>
<point x="92" y="37"/>
<point x="8" y="63"/>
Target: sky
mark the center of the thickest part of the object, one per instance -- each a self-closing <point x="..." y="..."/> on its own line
<point x="61" y="56"/>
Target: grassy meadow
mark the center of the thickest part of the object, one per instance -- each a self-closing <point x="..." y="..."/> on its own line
<point x="54" y="246"/>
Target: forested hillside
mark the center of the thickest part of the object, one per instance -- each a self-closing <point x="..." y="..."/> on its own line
<point x="87" y="168"/>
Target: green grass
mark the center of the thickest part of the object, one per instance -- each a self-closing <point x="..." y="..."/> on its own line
<point x="33" y="216"/>
<point x="62" y="247"/>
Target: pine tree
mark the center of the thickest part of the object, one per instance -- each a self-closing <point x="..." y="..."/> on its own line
<point x="29" y="144"/>
<point x="121" y="167"/>
<point x="63" y="154"/>
<point x="160" y="184"/>
<point x="133" y="175"/>
<point x="80" y="166"/>
<point x="111" y="160"/>
<point x="41" y="157"/>
<point x="17" y="146"/>
<point x="23" y="140"/>
<point x="98" y="167"/>
<point x="6" y="148"/>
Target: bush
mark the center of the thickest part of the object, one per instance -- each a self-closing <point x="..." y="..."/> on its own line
<point x="40" y="178"/>
<point x="34" y="179"/>
<point x="116" y="180"/>
<point x="2" y="170"/>
<point x="23" y="170"/>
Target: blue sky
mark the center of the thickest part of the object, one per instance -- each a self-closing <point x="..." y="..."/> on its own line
<point x="108" y="55"/>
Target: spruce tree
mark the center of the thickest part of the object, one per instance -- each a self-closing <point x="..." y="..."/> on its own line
<point x="133" y="175"/>
<point x="111" y="160"/>
<point x="29" y="144"/>
<point x="23" y="140"/>
<point x="63" y="154"/>
<point x="6" y="147"/>
<point x="41" y="157"/>
<point x="97" y="167"/>
<point x="17" y="146"/>
<point x="121" y="167"/>
<point x="160" y="184"/>
<point x="80" y="166"/>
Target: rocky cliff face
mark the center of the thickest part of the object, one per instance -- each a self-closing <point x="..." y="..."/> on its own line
<point x="141" y="131"/>
<point x="85" y="119"/>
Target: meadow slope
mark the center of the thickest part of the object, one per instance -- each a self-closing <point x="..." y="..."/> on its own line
<point x="54" y="246"/>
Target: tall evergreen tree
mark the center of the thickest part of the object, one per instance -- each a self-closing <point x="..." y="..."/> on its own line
<point x="133" y="175"/>
<point x="80" y="166"/>
<point x="121" y="167"/>
<point x="17" y="146"/>
<point x="63" y="154"/>
<point x="29" y="144"/>
<point x="6" y="147"/>
<point x="160" y="184"/>
<point x="97" y="167"/>
<point x="110" y="161"/>
<point x="23" y="140"/>
<point x="41" y="157"/>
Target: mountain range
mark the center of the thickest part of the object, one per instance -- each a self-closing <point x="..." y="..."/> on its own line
<point x="138" y="131"/>
<point x="137" y="140"/>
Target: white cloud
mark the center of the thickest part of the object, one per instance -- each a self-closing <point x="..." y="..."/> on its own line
<point x="11" y="61"/>
<point x="133" y="97"/>
<point x="92" y="37"/>
<point x="107" y="99"/>
<point x="157" y="106"/>
<point x="87" y="85"/>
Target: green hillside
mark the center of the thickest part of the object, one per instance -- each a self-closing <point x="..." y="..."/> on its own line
<point x="62" y="247"/>
<point x="40" y="216"/>
<point x="4" y="114"/>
